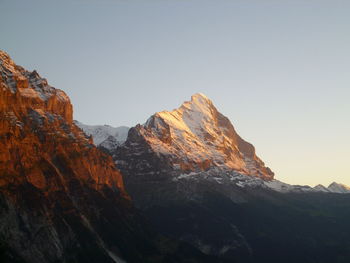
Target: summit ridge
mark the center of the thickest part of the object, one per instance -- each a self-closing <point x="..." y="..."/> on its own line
<point x="196" y="136"/>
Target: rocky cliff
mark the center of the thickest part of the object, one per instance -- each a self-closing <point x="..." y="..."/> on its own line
<point x="39" y="143"/>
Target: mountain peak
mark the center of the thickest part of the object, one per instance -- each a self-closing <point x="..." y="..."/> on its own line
<point x="4" y="55"/>
<point x="339" y="188"/>
<point x="198" y="103"/>
<point x="197" y="136"/>
<point x="6" y="61"/>
<point x="200" y="97"/>
<point x="38" y="136"/>
<point x="105" y="135"/>
<point x="35" y="92"/>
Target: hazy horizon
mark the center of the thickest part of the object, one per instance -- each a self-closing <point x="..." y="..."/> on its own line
<point x="278" y="71"/>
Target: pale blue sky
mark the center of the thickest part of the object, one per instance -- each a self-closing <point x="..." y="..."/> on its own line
<point x="278" y="69"/>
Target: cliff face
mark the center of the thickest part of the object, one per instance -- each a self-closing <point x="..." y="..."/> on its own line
<point x="39" y="143"/>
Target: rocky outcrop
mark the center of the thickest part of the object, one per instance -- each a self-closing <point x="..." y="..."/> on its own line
<point x="39" y="143"/>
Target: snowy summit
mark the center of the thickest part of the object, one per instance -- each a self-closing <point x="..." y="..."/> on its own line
<point x="197" y="136"/>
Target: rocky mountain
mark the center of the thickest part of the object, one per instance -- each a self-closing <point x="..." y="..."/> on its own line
<point x="197" y="137"/>
<point x="194" y="137"/>
<point x="61" y="198"/>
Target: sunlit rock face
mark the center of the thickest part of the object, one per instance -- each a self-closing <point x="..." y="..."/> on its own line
<point x="22" y="91"/>
<point x="196" y="137"/>
<point x="39" y="143"/>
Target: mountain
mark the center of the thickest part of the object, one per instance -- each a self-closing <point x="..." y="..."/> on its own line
<point x="38" y="135"/>
<point x="321" y="188"/>
<point x="105" y="136"/>
<point x="338" y="188"/>
<point x="61" y="198"/>
<point x="198" y="181"/>
<point x="197" y="137"/>
<point x="189" y="142"/>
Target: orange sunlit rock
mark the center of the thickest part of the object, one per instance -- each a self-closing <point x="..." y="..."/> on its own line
<point x="39" y="143"/>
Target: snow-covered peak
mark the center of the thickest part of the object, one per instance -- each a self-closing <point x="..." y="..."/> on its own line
<point x="283" y="187"/>
<point x="191" y="116"/>
<point x="199" y="95"/>
<point x="198" y="103"/>
<point x="338" y="188"/>
<point x="321" y="188"/>
<point x="105" y="135"/>
<point x="197" y="136"/>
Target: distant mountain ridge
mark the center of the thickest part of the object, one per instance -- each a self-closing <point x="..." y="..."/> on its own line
<point x="338" y="188"/>
<point x="104" y="135"/>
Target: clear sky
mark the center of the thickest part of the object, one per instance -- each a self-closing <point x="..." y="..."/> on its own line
<point x="280" y="70"/>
